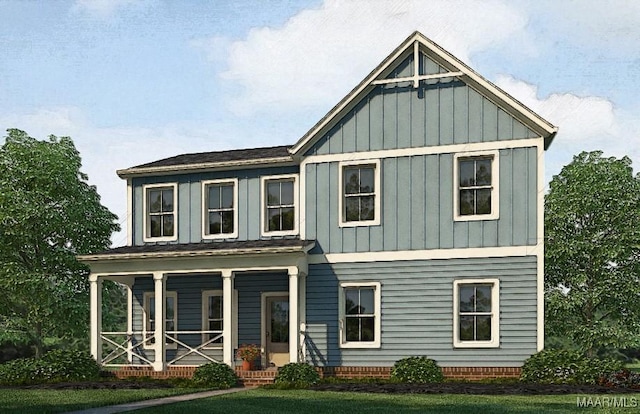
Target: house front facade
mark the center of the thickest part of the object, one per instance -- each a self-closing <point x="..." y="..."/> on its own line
<point x="407" y="221"/>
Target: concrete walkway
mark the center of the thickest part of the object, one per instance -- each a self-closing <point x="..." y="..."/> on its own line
<point x="159" y="401"/>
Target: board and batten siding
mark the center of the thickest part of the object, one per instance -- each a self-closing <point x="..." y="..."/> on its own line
<point x="436" y="113"/>
<point x="417" y="311"/>
<point x="417" y="206"/>
<point x="190" y="205"/>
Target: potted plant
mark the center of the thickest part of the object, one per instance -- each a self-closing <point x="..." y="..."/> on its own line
<point x="248" y="353"/>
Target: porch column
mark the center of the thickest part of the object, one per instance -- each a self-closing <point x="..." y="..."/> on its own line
<point x="294" y="316"/>
<point x="160" y="325"/>
<point x="227" y="317"/>
<point x="95" y="304"/>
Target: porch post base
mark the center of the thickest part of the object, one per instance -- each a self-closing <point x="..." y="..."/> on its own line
<point x="159" y="366"/>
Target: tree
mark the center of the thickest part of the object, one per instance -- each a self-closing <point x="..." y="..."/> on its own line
<point x="592" y="253"/>
<point x="48" y="215"/>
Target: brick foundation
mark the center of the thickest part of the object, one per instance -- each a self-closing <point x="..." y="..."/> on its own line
<point x="256" y="378"/>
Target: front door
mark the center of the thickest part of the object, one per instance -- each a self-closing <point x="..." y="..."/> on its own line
<point x="276" y="330"/>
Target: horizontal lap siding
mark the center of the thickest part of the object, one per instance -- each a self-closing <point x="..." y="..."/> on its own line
<point x="417" y="206"/>
<point x="417" y="311"/>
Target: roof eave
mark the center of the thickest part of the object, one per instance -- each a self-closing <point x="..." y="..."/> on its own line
<point x="208" y="166"/>
<point x="92" y="258"/>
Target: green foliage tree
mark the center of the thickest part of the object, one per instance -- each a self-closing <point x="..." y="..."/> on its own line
<point x="592" y="253"/>
<point x="48" y="215"/>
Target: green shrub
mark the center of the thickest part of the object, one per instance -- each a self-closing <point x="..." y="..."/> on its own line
<point x="215" y="375"/>
<point x="296" y="375"/>
<point x="54" y="366"/>
<point x="557" y="366"/>
<point x="417" y="370"/>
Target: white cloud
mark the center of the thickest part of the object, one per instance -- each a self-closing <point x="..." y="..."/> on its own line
<point x="320" y="54"/>
<point x="586" y="123"/>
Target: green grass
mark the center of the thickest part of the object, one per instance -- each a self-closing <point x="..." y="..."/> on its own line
<point x="321" y="402"/>
<point x="24" y="401"/>
<point x="635" y="366"/>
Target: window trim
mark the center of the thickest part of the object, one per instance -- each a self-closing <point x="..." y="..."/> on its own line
<point x="495" y="314"/>
<point x="377" y="314"/>
<point x="205" y="209"/>
<point x="205" y="317"/>
<point x="146" y="231"/>
<point x="495" y="185"/>
<point x="377" y="203"/>
<point x="263" y="205"/>
<point x="145" y="318"/>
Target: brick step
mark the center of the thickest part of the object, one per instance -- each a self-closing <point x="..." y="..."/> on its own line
<point x="256" y="378"/>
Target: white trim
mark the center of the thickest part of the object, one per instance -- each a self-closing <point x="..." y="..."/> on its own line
<point x="145" y="217"/>
<point x="264" y="323"/>
<point x="432" y="254"/>
<point x="540" y="240"/>
<point x="495" y="314"/>
<point x="207" y="166"/>
<point x="495" y="185"/>
<point x="263" y="204"/>
<point x="145" y="309"/>
<point x="431" y="150"/>
<point x="205" y="315"/>
<point x="228" y="356"/>
<point x="129" y="212"/>
<point x="377" y="193"/>
<point x="205" y="209"/>
<point x="469" y="76"/>
<point x="294" y="314"/>
<point x="377" y="314"/>
<point x="95" y="311"/>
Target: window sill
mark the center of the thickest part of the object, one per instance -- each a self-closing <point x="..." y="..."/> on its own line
<point x="367" y="223"/>
<point x="476" y="344"/>
<point x="360" y="345"/>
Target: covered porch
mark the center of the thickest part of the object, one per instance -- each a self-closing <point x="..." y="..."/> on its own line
<point x="214" y="296"/>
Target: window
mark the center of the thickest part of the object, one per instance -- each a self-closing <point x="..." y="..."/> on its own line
<point x="476" y="181"/>
<point x="360" y="196"/>
<point x="279" y="215"/>
<point x="160" y="208"/>
<point x="171" y="317"/>
<point x="220" y="201"/>
<point x="212" y="318"/>
<point x="360" y="315"/>
<point x="476" y="313"/>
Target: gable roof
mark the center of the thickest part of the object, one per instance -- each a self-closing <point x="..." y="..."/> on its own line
<point x="415" y="43"/>
<point x="215" y="159"/>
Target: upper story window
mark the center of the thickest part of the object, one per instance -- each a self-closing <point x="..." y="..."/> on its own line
<point x="476" y="313"/>
<point x="280" y="205"/>
<point x="360" y="315"/>
<point x="360" y="193"/>
<point x="161" y="212"/>
<point x="220" y="209"/>
<point x="476" y="186"/>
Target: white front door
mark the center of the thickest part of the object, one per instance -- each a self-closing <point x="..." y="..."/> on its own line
<point x="276" y="330"/>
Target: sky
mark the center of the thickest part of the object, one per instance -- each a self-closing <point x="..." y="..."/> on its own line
<point x="133" y="81"/>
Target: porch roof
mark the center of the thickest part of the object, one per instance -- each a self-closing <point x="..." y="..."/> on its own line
<point x="202" y="249"/>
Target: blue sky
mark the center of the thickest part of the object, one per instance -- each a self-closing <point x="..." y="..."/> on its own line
<point x="134" y="81"/>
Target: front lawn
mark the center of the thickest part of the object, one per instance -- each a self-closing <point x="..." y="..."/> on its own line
<point x="320" y="402"/>
<point x="27" y="401"/>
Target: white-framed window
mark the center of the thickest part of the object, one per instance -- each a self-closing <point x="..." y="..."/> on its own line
<point x="220" y="209"/>
<point x="476" y="186"/>
<point x="212" y="317"/>
<point x="279" y="205"/>
<point x="359" y="200"/>
<point x="161" y="212"/>
<point x="359" y="315"/>
<point x="476" y="313"/>
<point x="171" y="317"/>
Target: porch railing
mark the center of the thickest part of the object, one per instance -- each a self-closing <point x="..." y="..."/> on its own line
<point x="131" y="347"/>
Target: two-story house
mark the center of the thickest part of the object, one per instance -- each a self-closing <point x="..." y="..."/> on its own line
<point x="407" y="221"/>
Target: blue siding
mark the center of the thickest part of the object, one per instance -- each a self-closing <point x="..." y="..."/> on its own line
<point x="417" y="311"/>
<point x="190" y="202"/>
<point x="417" y="207"/>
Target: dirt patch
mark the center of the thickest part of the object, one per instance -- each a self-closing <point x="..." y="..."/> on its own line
<point x="476" y="389"/>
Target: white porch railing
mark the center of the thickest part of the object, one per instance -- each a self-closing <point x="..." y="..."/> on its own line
<point x="131" y="347"/>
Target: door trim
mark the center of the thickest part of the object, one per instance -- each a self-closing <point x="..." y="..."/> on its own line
<point x="264" y="323"/>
